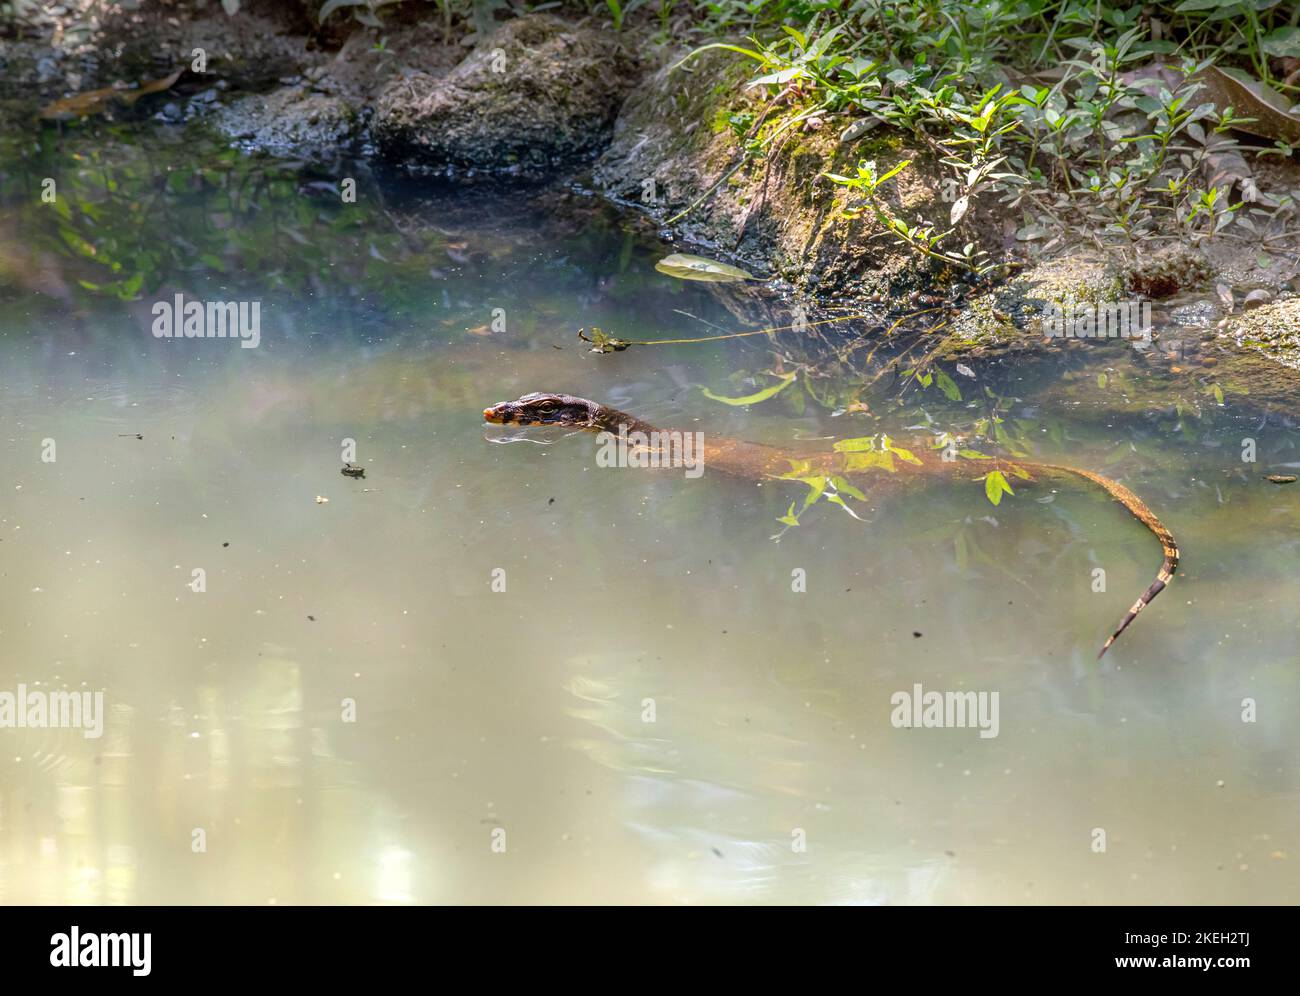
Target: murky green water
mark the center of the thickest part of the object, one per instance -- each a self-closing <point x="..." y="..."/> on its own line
<point x="648" y="712"/>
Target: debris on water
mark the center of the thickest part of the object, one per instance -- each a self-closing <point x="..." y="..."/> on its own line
<point x="915" y="633"/>
<point x="602" y="342"/>
<point x="321" y="500"/>
<point x="225" y="544"/>
<point x="687" y="267"/>
<point x="312" y="618"/>
<point x="128" y="435"/>
<point x="1281" y="478"/>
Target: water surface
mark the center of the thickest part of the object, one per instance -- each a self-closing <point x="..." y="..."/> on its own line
<point x="501" y="750"/>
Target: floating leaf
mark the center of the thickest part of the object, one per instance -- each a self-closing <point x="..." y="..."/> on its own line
<point x="602" y="342"/>
<point x="686" y="267"/>
<point x="755" y="398"/>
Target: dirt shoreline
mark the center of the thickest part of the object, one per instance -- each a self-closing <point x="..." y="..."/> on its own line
<point x="550" y="101"/>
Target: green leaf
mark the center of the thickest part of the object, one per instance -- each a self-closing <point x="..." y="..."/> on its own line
<point x="994" y="486"/>
<point x="1101" y="381"/>
<point x="948" y="386"/>
<point x="1283" y="43"/>
<point x="755" y="398"/>
<point x="869" y="461"/>
<point x="757" y="56"/>
<point x="816" y="486"/>
<point x="855" y="445"/>
<point x="332" y="5"/>
<point x="836" y="499"/>
<point x="128" y="289"/>
<point x="686" y="267"/>
<point x="905" y="455"/>
<point x="894" y="172"/>
<point x="842" y="485"/>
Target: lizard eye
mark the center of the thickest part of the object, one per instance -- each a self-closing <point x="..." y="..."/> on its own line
<point x="548" y="407"/>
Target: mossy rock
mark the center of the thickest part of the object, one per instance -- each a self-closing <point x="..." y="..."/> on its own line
<point x="1010" y="317"/>
<point x="540" y="96"/>
<point x="1272" y="330"/>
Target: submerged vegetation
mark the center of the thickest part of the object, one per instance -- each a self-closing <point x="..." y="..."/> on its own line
<point x="1050" y="124"/>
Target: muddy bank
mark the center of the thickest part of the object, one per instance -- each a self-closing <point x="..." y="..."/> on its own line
<point x="713" y="165"/>
<point x="44" y="57"/>
<point x="678" y="154"/>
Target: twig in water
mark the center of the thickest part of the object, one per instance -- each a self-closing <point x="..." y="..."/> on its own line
<point x="605" y="343"/>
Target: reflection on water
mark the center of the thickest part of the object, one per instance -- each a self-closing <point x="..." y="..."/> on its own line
<point x="647" y="712"/>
